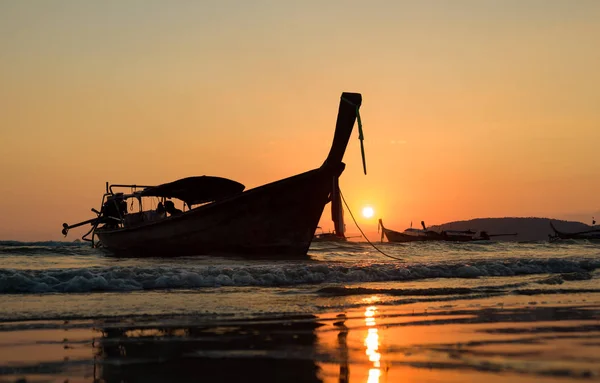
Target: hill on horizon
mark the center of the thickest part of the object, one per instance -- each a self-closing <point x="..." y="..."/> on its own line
<point x="527" y="228"/>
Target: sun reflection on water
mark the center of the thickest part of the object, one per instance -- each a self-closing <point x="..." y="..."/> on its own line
<point x="372" y="344"/>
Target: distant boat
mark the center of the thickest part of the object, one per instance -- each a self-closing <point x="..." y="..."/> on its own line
<point x="463" y="235"/>
<point x="409" y="235"/>
<point x="593" y="234"/>
<point x="278" y="219"/>
<point x="418" y="235"/>
<point x="470" y="235"/>
<point x="328" y="237"/>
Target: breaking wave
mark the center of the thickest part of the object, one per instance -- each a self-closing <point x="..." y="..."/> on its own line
<point x="115" y="278"/>
<point x="44" y="248"/>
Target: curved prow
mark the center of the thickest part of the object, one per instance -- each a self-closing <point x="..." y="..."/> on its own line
<point x="593" y="230"/>
<point x="553" y="228"/>
<point x="423" y="224"/>
<point x="347" y="114"/>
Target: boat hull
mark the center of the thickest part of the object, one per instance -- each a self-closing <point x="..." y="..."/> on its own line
<point x="394" y="236"/>
<point x="273" y="220"/>
<point x="590" y="235"/>
<point x="594" y="236"/>
<point x="459" y="238"/>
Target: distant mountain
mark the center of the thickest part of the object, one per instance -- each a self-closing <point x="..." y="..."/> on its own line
<point x="528" y="229"/>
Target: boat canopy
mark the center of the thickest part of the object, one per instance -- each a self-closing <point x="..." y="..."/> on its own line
<point x="195" y="190"/>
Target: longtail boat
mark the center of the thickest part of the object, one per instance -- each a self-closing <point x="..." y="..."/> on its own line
<point x="409" y="235"/>
<point x="221" y="218"/>
<point x="422" y="235"/>
<point x="470" y="235"/>
<point x="593" y="234"/>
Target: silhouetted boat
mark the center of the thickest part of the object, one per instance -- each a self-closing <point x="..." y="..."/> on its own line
<point x="409" y="235"/>
<point x="460" y="235"/>
<point x="418" y="235"/>
<point x="593" y="234"/>
<point x="228" y="220"/>
<point x="329" y="237"/>
<point x="470" y="235"/>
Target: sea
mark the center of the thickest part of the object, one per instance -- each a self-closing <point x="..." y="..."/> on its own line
<point x="351" y="312"/>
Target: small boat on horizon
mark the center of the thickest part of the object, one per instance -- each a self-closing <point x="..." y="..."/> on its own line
<point x="222" y="218"/>
<point x="408" y="235"/>
<point x="328" y="236"/>
<point x="418" y="235"/>
<point x="593" y="234"/>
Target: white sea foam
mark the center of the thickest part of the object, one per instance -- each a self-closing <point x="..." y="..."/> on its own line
<point x="79" y="280"/>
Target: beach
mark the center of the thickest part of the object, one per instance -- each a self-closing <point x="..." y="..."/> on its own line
<point x="444" y="313"/>
<point x="196" y="191"/>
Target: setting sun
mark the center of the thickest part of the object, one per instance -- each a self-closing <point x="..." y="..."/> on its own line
<point x="367" y="212"/>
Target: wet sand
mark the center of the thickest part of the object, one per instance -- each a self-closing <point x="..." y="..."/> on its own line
<point x="554" y="338"/>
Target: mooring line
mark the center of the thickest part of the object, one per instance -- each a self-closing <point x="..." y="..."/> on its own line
<point x="363" y="234"/>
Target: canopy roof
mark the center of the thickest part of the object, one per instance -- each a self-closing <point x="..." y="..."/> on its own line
<point x="195" y="190"/>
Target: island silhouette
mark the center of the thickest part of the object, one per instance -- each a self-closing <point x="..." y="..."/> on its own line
<point x="527" y="228"/>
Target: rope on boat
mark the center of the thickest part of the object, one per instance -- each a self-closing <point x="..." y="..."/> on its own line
<point x="363" y="234"/>
<point x="361" y="136"/>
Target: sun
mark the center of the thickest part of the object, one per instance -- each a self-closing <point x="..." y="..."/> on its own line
<point x="367" y="212"/>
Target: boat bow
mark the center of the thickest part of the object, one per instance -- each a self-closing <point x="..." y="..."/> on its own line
<point x="276" y="219"/>
<point x="348" y="113"/>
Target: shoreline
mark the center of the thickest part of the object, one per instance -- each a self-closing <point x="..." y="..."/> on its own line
<point x="548" y="339"/>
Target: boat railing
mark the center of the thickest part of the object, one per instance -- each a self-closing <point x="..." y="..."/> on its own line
<point x="132" y="218"/>
<point x="109" y="187"/>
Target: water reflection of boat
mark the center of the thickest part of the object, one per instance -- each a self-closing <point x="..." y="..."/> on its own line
<point x="222" y="218"/>
<point x="371" y="343"/>
<point x="344" y="376"/>
<point x="250" y="351"/>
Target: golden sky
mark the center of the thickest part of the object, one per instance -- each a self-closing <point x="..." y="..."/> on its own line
<point x="470" y="108"/>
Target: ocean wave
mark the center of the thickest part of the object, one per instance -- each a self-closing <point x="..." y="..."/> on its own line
<point x="513" y="288"/>
<point x="42" y="243"/>
<point x="44" y="248"/>
<point x="79" y="280"/>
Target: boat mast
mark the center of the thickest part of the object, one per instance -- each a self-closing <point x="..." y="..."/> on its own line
<point x="337" y="211"/>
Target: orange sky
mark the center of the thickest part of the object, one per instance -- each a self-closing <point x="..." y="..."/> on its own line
<point x="470" y="108"/>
